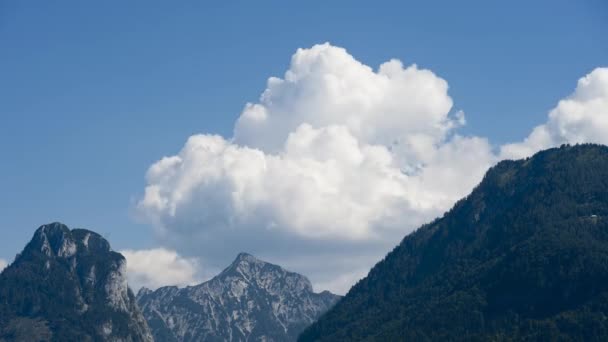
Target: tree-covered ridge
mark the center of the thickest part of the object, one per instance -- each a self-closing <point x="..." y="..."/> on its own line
<point x="68" y="285"/>
<point x="523" y="257"/>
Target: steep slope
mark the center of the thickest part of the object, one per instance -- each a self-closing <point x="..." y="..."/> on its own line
<point x="251" y="300"/>
<point x="523" y="257"/>
<point x="67" y="285"/>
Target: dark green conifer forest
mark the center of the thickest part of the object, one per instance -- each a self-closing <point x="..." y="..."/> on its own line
<point x="523" y="257"/>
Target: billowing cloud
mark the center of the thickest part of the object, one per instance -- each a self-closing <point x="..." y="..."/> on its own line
<point x="324" y="184"/>
<point x="3" y="264"/>
<point x="326" y="86"/>
<point x="336" y="162"/>
<point x="579" y="118"/>
<point x="158" y="267"/>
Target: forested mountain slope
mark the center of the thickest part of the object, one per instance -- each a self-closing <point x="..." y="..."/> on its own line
<point x="523" y="257"/>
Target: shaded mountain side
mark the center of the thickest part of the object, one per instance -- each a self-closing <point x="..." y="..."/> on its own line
<point x="523" y="257"/>
<point x="251" y="300"/>
<point x="67" y="285"/>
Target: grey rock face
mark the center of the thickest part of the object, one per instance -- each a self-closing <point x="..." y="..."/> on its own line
<point x="251" y="300"/>
<point x="69" y="285"/>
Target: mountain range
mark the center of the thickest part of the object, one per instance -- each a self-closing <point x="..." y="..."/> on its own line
<point x="68" y="285"/>
<point x="523" y="257"/>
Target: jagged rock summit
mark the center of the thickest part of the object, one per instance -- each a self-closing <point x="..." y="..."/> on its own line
<point x="68" y="285"/>
<point x="251" y="300"/>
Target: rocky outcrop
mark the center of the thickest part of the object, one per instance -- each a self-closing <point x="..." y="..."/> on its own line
<point x="68" y="285"/>
<point x="251" y="300"/>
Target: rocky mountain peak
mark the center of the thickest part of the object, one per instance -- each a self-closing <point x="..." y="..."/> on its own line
<point x="251" y="300"/>
<point x="66" y="275"/>
<point x="247" y="263"/>
<point x="56" y="240"/>
<point x="243" y="256"/>
<point x="264" y="275"/>
<point x="53" y="240"/>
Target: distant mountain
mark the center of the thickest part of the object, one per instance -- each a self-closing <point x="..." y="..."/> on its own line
<point x="67" y="285"/>
<point x="251" y="300"/>
<point x="524" y="257"/>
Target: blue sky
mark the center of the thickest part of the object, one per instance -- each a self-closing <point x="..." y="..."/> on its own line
<point x="91" y="94"/>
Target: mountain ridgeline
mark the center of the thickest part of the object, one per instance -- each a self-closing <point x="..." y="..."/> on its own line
<point x="523" y="257"/>
<point x="67" y="285"/>
<point x="251" y="300"/>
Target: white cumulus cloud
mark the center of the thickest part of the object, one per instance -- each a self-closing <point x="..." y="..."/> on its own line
<point x="158" y="267"/>
<point x="3" y="264"/>
<point x="326" y="86"/>
<point x="579" y="118"/>
<point x="336" y="161"/>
